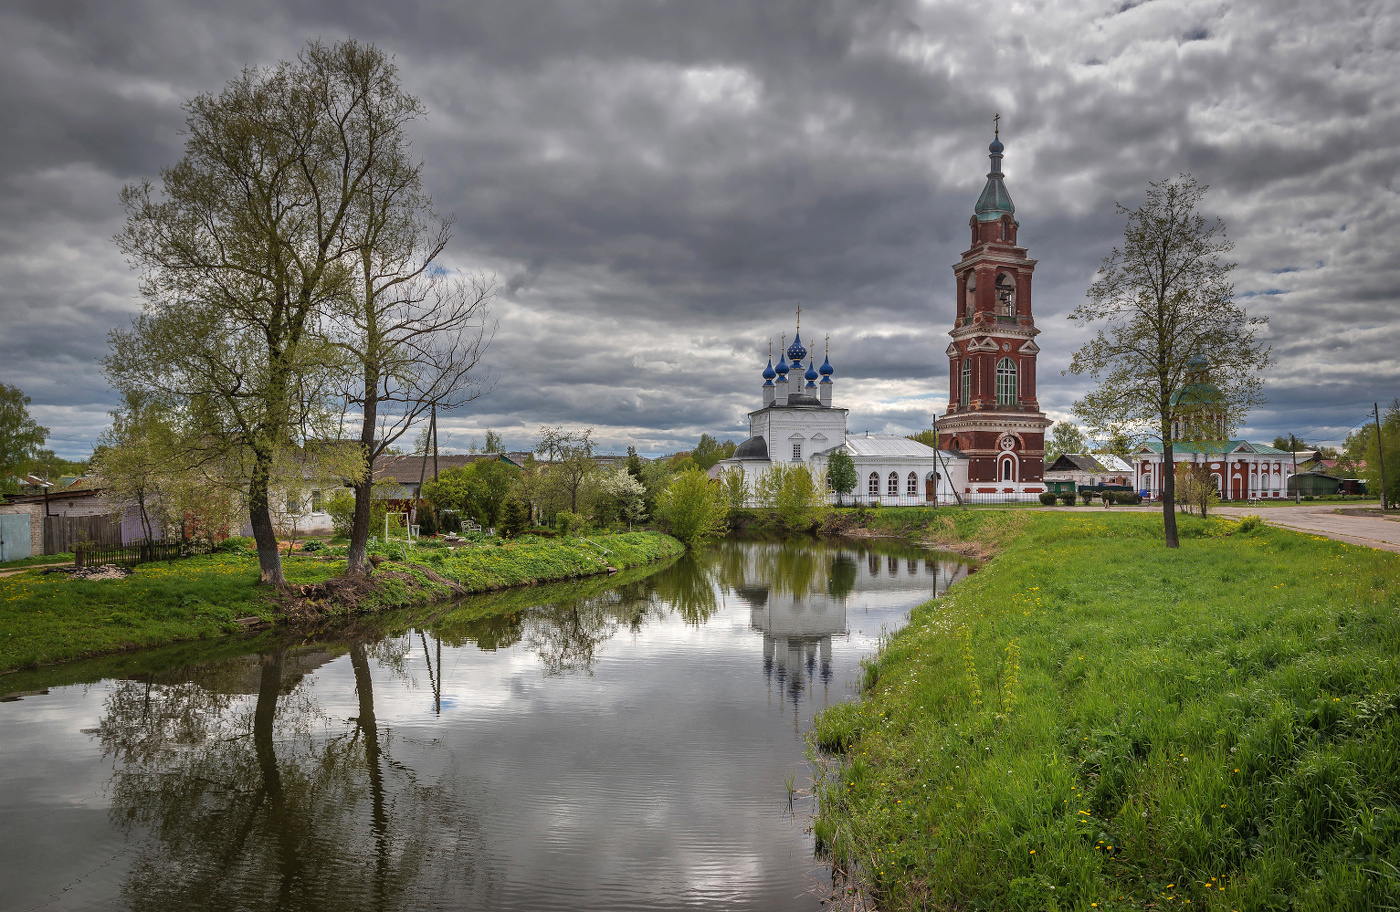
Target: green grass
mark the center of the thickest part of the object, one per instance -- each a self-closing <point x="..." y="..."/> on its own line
<point x="46" y="618"/>
<point x="1093" y="721"/>
<point x="51" y="618"/>
<point x="65" y="557"/>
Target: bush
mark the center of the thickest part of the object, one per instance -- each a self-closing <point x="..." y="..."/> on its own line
<point x="1249" y="523"/>
<point x="312" y="545"/>
<point x="1047" y="499"/>
<point x="1086" y="496"/>
<point x="566" y="523"/>
<point x="1125" y="498"/>
<point x="236" y="544"/>
<point x="427" y="522"/>
<point x="1067" y="498"/>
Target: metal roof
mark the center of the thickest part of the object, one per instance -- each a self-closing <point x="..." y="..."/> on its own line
<point x="888" y="445"/>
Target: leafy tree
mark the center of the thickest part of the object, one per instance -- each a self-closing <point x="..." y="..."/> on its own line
<point x="1290" y="444"/>
<point x="1197" y="491"/>
<point x="245" y="251"/>
<point x="135" y="458"/>
<point x="20" y="436"/>
<point x="841" y="469"/>
<point x="928" y="437"/>
<point x="634" y="463"/>
<point x="1369" y="449"/>
<point x="1166" y="302"/>
<point x="478" y="490"/>
<point x="1065" y="437"/>
<point x="708" y="452"/>
<point x="494" y="443"/>
<point x="692" y="507"/>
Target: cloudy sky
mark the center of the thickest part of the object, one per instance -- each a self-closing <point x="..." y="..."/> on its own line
<point x="655" y="184"/>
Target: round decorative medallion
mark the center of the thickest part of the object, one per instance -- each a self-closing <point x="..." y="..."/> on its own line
<point x="1008" y="442"/>
<point x="1006" y="346"/>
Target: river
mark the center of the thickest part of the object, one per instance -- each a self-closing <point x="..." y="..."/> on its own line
<point x="633" y="743"/>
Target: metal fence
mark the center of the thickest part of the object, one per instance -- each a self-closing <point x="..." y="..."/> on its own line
<point x="87" y="555"/>
<point x="944" y="500"/>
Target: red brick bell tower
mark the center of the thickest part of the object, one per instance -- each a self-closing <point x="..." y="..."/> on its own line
<point x="993" y="417"/>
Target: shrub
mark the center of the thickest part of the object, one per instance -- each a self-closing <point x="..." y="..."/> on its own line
<point x="1047" y="499"/>
<point x="1086" y="496"/>
<point x="566" y="523"/>
<point x="235" y="544"/>
<point x="1067" y="498"/>
<point x="1126" y="498"/>
<point x="312" y="545"/>
<point x="1249" y="523"/>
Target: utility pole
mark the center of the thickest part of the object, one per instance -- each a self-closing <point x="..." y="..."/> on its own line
<point x="1297" y="485"/>
<point x="1380" y="452"/>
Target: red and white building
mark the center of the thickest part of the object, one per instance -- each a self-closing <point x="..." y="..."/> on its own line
<point x="993" y="418"/>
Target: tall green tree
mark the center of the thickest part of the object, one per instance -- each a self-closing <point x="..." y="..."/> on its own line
<point x="1166" y="309"/>
<point x="246" y="248"/>
<point x="1065" y="437"/>
<point x="692" y="507"/>
<point x="710" y="451"/>
<point x="841" y="471"/>
<point x="20" y="436"/>
<point x="1370" y="449"/>
<point x="928" y="437"/>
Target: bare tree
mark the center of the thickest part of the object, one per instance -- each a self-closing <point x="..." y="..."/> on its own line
<point x="412" y="334"/>
<point x="1167" y="303"/>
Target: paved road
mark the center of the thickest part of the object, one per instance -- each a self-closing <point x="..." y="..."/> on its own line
<point x="1322" y="519"/>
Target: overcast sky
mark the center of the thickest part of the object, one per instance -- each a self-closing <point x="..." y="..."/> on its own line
<point x="655" y="185"/>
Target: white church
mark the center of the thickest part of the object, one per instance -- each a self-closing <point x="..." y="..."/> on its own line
<point x="798" y="423"/>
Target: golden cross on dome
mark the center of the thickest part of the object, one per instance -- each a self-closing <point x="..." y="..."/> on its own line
<point x="799" y="316"/>
<point x="996" y="123"/>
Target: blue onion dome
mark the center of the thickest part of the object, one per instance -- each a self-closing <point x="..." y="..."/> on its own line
<point x="811" y="374"/>
<point x="996" y="148"/>
<point x="827" y="370"/>
<point x="782" y="367"/>
<point x="768" y="372"/>
<point x="796" y="351"/>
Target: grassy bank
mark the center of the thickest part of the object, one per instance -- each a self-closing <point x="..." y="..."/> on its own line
<point x="1095" y="722"/>
<point x="47" y="618"/>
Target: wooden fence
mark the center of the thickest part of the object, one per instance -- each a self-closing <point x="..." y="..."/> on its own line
<point x="61" y="533"/>
<point x="129" y="555"/>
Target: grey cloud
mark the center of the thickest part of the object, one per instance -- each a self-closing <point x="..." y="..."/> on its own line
<point x="660" y="183"/>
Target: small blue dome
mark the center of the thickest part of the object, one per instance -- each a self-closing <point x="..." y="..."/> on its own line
<point x="796" y="351"/>
<point x="782" y="367"/>
<point x="768" y="372"/>
<point x="827" y="370"/>
<point x="996" y="148"/>
<point x="811" y="374"/>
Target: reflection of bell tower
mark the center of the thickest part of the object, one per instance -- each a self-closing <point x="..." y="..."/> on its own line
<point x="993" y="416"/>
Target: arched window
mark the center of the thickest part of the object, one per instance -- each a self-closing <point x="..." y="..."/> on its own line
<point x="892" y="486"/>
<point x="874" y="488"/>
<point x="1008" y="469"/>
<point x="966" y="395"/>
<point x="1006" y="382"/>
<point x="1006" y="295"/>
<point x="971" y="291"/>
<point x="911" y="485"/>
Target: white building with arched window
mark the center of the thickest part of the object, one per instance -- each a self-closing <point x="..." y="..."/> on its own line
<point x="798" y="424"/>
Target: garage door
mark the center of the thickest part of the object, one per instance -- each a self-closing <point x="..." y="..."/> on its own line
<point x="14" y="536"/>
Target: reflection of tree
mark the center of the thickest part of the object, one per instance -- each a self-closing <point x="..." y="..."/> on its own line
<point x="251" y="804"/>
<point x="687" y="588"/>
<point x="842" y="581"/>
<point x="566" y="634"/>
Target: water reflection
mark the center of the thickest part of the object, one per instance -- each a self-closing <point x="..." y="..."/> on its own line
<point x="600" y="744"/>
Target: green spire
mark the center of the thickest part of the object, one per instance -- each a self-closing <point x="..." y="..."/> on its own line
<point x="995" y="201"/>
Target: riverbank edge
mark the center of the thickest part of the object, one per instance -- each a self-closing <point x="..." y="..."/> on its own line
<point x="882" y="832"/>
<point x="51" y="619"/>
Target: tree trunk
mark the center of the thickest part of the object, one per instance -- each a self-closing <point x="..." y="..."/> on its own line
<point x="1169" y="490"/>
<point x="355" y="563"/>
<point x="379" y="815"/>
<point x="260" y="518"/>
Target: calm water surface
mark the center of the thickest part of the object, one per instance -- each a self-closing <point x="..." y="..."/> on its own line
<point x="621" y="744"/>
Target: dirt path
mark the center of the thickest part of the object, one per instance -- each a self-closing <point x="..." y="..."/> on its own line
<point x="1354" y="527"/>
<point x="13" y="570"/>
